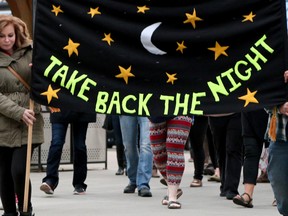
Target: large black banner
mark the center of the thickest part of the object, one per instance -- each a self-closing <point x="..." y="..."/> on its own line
<point x="157" y="58"/>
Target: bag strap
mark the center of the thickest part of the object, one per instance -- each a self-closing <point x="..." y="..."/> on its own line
<point x="19" y="77"/>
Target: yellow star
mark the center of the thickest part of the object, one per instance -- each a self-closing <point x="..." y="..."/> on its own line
<point x="72" y="47"/>
<point x="94" y="11"/>
<point x="50" y="93"/>
<point x="181" y="47"/>
<point x="125" y="73"/>
<point x="108" y="38"/>
<point x="219" y="50"/>
<point x="142" y="9"/>
<point x="171" y="78"/>
<point x="192" y="18"/>
<point x="56" y="10"/>
<point x="249" y="97"/>
<point x="249" y="17"/>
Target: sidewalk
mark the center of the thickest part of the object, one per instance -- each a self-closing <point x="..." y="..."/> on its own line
<point x="105" y="196"/>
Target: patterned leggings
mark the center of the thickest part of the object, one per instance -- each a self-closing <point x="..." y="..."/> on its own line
<point x="168" y="142"/>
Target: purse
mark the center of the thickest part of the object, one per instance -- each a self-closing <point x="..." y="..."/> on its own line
<point x="19" y="77"/>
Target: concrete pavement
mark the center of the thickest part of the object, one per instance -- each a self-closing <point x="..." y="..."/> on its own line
<point x="105" y="196"/>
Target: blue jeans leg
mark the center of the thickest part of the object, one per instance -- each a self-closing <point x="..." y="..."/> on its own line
<point x="278" y="174"/>
<point x="145" y="165"/>
<point x="79" y="131"/>
<point x="139" y="160"/>
<point x="55" y="151"/>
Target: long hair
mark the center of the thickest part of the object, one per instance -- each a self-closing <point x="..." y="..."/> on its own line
<point x="21" y="30"/>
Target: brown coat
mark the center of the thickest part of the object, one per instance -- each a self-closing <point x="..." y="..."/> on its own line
<point x="14" y="99"/>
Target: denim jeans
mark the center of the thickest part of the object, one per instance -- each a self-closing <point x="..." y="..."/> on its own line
<point x="139" y="160"/>
<point x="278" y="174"/>
<point x="78" y="131"/>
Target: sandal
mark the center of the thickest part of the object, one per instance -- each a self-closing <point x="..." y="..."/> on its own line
<point x="196" y="183"/>
<point x="163" y="181"/>
<point x="179" y="193"/>
<point x="165" y="200"/>
<point x="174" y="205"/>
<point x="215" y="178"/>
<point x="239" y="200"/>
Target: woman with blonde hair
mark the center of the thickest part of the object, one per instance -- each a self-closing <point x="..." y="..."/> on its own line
<point x="15" y="114"/>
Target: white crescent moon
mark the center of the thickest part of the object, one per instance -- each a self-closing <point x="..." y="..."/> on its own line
<point x="145" y="39"/>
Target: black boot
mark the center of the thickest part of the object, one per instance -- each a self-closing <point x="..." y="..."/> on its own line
<point x="27" y="214"/>
<point x="11" y="214"/>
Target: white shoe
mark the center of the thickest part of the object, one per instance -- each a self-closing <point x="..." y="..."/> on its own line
<point x="46" y="188"/>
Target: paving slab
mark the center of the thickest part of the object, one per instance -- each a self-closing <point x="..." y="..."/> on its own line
<point x="105" y="196"/>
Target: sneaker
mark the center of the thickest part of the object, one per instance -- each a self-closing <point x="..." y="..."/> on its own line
<point x="79" y="191"/>
<point x="45" y="187"/>
<point x="130" y="188"/>
<point x="144" y="192"/>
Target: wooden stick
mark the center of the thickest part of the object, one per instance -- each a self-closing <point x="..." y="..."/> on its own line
<point x="23" y="10"/>
<point x="28" y="162"/>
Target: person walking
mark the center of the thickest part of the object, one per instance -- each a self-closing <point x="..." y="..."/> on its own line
<point x="197" y="137"/>
<point x="15" y="114"/>
<point x="139" y="160"/>
<point x="277" y="133"/>
<point x="120" y="154"/>
<point x="79" y="124"/>
<point x="168" y="138"/>
<point x="253" y="131"/>
<point x="226" y="131"/>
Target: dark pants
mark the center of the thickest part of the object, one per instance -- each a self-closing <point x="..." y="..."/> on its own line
<point x="227" y="135"/>
<point x="254" y="125"/>
<point x="78" y="131"/>
<point x="253" y="150"/>
<point x="212" y="148"/>
<point x="197" y="136"/>
<point x="12" y="178"/>
<point x="121" y="159"/>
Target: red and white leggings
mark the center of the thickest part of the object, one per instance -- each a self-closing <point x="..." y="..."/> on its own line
<point x="168" y="141"/>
